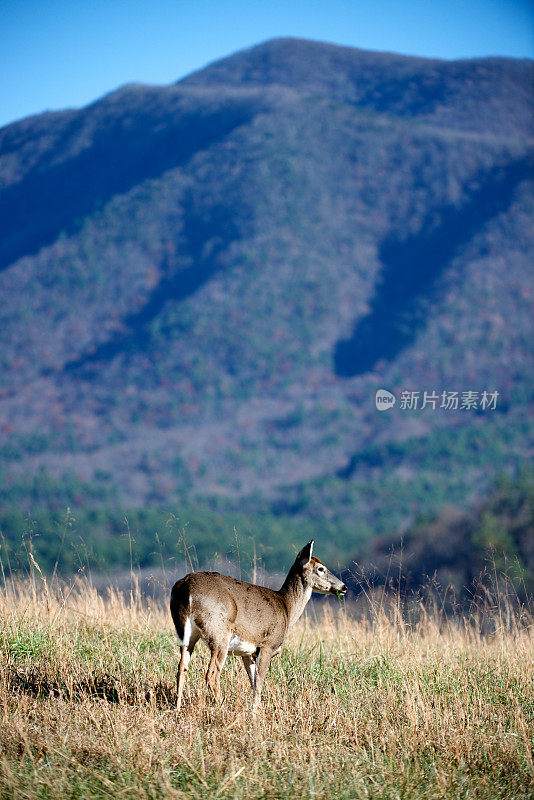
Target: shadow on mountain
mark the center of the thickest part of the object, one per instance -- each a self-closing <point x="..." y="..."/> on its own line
<point x="412" y="268"/>
<point x="48" y="202"/>
<point x="218" y="227"/>
<point x="478" y="555"/>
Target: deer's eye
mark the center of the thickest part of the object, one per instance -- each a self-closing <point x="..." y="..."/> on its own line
<point x="320" y="570"/>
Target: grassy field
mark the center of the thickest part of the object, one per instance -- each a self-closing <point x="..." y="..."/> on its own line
<point x="373" y="706"/>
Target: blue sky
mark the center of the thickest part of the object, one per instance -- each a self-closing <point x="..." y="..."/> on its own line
<point x="63" y="53"/>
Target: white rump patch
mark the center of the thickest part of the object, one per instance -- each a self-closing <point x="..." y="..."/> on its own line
<point x="187" y="633"/>
<point x="240" y="647"/>
<point x="187" y="629"/>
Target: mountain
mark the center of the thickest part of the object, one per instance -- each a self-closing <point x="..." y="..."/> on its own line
<point x="205" y="284"/>
<point x="464" y="558"/>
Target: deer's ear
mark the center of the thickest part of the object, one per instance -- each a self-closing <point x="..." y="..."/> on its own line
<point x="304" y="557"/>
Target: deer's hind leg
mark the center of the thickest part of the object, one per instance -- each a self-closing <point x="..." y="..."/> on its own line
<point x="185" y="655"/>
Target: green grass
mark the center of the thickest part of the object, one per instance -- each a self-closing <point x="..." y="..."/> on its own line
<point x="377" y="704"/>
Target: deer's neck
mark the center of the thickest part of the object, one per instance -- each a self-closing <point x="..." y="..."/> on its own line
<point x="295" y="595"/>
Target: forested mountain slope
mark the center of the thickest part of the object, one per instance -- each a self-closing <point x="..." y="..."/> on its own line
<point x="203" y="286"/>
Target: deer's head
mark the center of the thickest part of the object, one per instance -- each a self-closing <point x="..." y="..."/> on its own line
<point x="316" y="575"/>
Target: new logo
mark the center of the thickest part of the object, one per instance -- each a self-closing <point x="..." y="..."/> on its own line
<point x="384" y="400"/>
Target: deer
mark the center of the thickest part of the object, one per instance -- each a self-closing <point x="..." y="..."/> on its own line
<point x="248" y="620"/>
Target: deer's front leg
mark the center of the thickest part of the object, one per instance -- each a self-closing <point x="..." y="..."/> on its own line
<point x="262" y="665"/>
<point x="250" y="666"/>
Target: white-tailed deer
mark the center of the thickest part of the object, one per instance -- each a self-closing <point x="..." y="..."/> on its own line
<point x="251" y="621"/>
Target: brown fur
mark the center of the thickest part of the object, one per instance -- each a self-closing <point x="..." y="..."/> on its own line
<point x="252" y="620"/>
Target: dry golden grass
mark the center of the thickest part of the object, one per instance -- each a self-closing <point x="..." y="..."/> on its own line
<point x="375" y="708"/>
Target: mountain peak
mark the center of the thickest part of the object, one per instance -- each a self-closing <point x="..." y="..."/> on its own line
<point x="473" y="94"/>
<point x="205" y="284"/>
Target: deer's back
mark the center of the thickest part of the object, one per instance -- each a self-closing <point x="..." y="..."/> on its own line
<point x="230" y="611"/>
